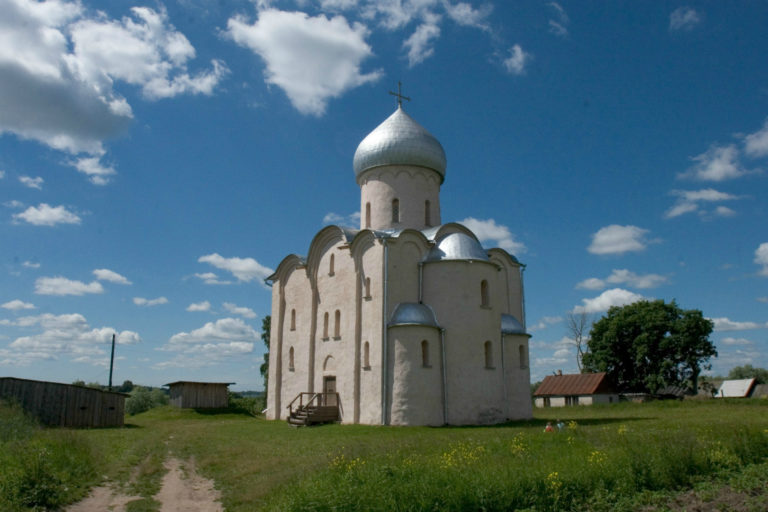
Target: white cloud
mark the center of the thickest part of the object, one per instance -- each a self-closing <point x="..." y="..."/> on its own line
<point x="684" y="18"/>
<point x="762" y="299"/>
<point x="199" y="306"/>
<point x="559" y="25"/>
<point x="46" y="215"/>
<point x="64" y="286"/>
<point x="103" y="274"/>
<point x="718" y="163"/>
<point x="723" y="211"/>
<point x="29" y="264"/>
<point x="420" y="44"/>
<point x="59" y="64"/>
<point x="17" y="305"/>
<point x="725" y="324"/>
<point x="689" y="201"/>
<point x="488" y="230"/>
<point x="211" y="278"/>
<point x="67" y="334"/>
<point x="141" y="301"/>
<point x="353" y="219"/>
<point x="615" y="239"/>
<point x="244" y="269"/>
<point x="607" y="299"/>
<point x="515" y="63"/>
<point x="238" y="310"/>
<point x="210" y="344"/>
<point x="312" y="59"/>
<point x="2" y="174"/>
<point x="464" y="14"/>
<point x="32" y="182"/>
<point x="545" y="322"/>
<point x="625" y="277"/>
<point x="756" y="144"/>
<point x="736" y="341"/>
<point x="761" y="258"/>
<point x="93" y="168"/>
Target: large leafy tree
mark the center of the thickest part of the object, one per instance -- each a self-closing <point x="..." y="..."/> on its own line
<point x="749" y="372"/>
<point x="266" y="327"/>
<point x="647" y="345"/>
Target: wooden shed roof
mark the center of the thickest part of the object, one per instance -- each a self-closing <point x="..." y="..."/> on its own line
<point x="574" y="384"/>
<point x="204" y="383"/>
<point x="75" y="386"/>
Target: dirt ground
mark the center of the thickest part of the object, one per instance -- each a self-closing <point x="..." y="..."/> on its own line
<point x="183" y="490"/>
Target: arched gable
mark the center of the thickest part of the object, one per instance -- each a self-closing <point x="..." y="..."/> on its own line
<point x="438" y="232"/>
<point x="284" y="269"/>
<point x="323" y="240"/>
<point x="504" y="258"/>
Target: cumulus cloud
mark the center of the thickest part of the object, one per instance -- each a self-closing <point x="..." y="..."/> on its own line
<point x="141" y="301"/>
<point x="312" y="59"/>
<point x="420" y="43"/>
<point x="465" y="14"/>
<point x="63" y="286"/>
<point x="761" y="258"/>
<point x="17" y="305"/>
<point x="726" y="324"/>
<point x="756" y="144"/>
<point x="91" y="166"/>
<point x="211" y="278"/>
<point x="353" y="219"/>
<point x="199" y="306"/>
<point x="46" y="215"/>
<point x="736" y="341"/>
<point x="516" y="61"/>
<point x="103" y="274"/>
<point x="489" y="231"/>
<point x="238" y="310"/>
<point x="545" y="322"/>
<point x="63" y="335"/>
<point x="718" y="163"/>
<point x="29" y="264"/>
<point x="244" y="269"/>
<point x="607" y="299"/>
<point x="558" y="24"/>
<point x="625" y="277"/>
<point x="684" y="18"/>
<point x="32" y="182"/>
<point x="615" y="239"/>
<point x="59" y="64"/>
<point x="690" y="201"/>
<point x="210" y="344"/>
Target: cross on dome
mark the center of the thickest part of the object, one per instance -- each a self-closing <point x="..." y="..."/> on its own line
<point x="399" y="95"/>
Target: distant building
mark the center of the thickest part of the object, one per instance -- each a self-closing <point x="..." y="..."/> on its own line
<point x="65" y="405"/>
<point x="579" y="389"/>
<point x="739" y="388"/>
<point x="199" y="395"/>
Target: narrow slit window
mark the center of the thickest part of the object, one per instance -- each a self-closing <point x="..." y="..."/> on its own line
<point x="325" y="325"/>
<point x="331" y="265"/>
<point x="425" y="353"/>
<point x="290" y="359"/>
<point x="337" y="324"/>
<point x="366" y="355"/>
<point x="488" y="355"/>
<point x="368" y="215"/>
<point x="395" y="211"/>
<point x="293" y="319"/>
<point x="427" y="214"/>
<point x="368" y="287"/>
<point x="523" y="357"/>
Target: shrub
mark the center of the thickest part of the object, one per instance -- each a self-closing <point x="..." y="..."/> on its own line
<point x="144" y="399"/>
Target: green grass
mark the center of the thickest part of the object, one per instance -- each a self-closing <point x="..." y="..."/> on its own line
<point x="618" y="457"/>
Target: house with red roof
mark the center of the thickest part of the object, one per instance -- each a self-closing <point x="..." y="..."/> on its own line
<point x="578" y="389"/>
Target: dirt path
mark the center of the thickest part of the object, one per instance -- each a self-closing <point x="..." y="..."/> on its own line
<point x="183" y="490"/>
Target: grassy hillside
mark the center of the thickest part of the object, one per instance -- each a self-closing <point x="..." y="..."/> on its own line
<point x="617" y="457"/>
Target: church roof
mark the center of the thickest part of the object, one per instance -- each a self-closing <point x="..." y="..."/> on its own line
<point x="400" y="140"/>
<point x="511" y="325"/>
<point x="457" y="246"/>
<point x="412" y="313"/>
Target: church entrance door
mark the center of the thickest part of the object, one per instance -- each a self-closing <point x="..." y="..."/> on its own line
<point x="329" y="386"/>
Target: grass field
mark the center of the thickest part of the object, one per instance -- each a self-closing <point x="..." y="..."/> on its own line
<point x="619" y="457"/>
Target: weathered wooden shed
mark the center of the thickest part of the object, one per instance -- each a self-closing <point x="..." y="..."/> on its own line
<point x="199" y="395"/>
<point x="65" y="405"/>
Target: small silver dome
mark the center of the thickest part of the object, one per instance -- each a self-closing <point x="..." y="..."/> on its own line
<point x="411" y="313"/>
<point x="400" y="140"/>
<point x="457" y="246"/>
<point x="510" y="325"/>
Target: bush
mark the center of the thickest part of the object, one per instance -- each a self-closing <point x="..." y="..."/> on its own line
<point x="144" y="399"/>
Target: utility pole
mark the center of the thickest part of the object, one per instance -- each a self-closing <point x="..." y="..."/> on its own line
<point x="111" y="362"/>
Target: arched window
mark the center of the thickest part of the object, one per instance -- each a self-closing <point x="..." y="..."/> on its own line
<point x="368" y="215"/>
<point x="427" y="214"/>
<point x="366" y="355"/>
<point x="293" y="319"/>
<point x="425" y="353"/>
<point x="337" y="325"/>
<point x="488" y="355"/>
<point x="395" y="211"/>
<point x="331" y="265"/>
<point x="290" y="359"/>
<point x="325" y="325"/>
<point x="368" y="287"/>
<point x="484" y="300"/>
<point x="523" y="357"/>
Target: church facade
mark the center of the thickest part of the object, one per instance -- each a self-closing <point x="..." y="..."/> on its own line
<point x="410" y="321"/>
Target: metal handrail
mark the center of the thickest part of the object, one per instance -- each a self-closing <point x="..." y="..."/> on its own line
<point x="312" y="398"/>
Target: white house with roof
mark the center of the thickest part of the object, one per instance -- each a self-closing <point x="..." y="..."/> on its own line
<point x="404" y="320"/>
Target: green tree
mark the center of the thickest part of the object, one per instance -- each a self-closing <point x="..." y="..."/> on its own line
<point x="266" y="326"/>
<point x="749" y="372"/>
<point x="650" y="344"/>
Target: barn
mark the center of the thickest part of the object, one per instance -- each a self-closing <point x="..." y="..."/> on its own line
<point x="199" y="395"/>
<point x="576" y="389"/>
<point x="65" y="405"/>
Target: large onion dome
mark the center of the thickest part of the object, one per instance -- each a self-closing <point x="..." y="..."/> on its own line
<point x="400" y="140"/>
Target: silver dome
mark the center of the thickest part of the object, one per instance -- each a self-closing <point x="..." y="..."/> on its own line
<point x="457" y="246"/>
<point x="411" y="313"/>
<point x="400" y="140"/>
<point x="510" y="325"/>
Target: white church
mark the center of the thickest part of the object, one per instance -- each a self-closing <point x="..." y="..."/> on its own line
<point x="406" y="320"/>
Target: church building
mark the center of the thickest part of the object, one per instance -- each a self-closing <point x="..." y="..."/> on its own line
<point x="411" y="321"/>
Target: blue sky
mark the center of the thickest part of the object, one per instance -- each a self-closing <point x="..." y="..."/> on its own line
<point x="158" y="159"/>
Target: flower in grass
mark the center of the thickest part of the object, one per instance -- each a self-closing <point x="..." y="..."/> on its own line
<point x="573" y="425"/>
<point x="517" y="446"/>
<point x="597" y="458"/>
<point x="622" y="430"/>
<point x="570" y="440"/>
<point x="461" y="454"/>
<point x="554" y="483"/>
<point x="342" y="463"/>
<point x="719" y="455"/>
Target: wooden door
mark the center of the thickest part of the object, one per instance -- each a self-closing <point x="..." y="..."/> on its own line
<point x="329" y="386"/>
